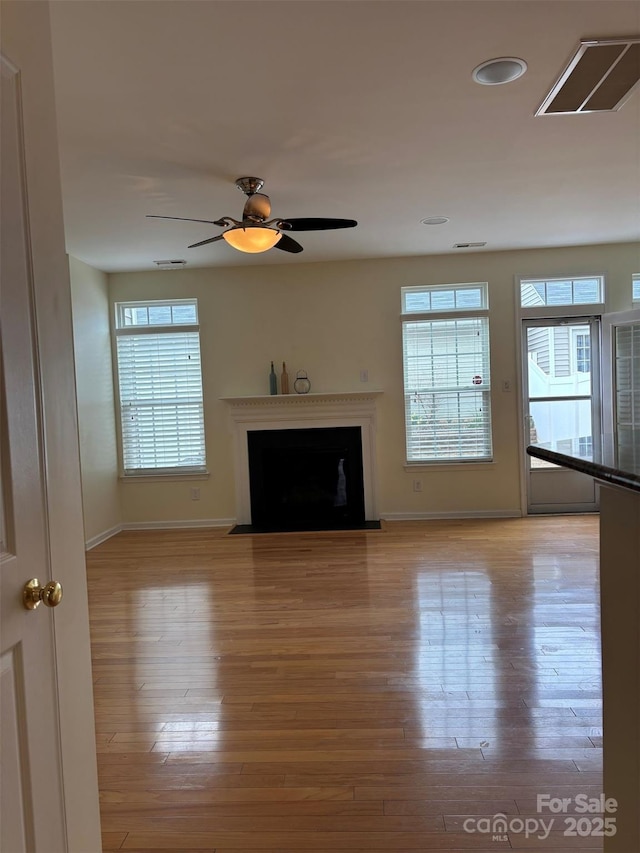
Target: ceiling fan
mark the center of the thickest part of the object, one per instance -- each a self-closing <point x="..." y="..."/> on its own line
<point x="255" y="232"/>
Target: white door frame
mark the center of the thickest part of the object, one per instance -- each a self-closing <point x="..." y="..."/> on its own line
<point x="596" y="409"/>
<point x="542" y="312"/>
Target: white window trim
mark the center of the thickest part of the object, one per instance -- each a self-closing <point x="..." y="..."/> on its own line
<point x="148" y="475"/>
<point x="457" y="314"/>
<point x="155" y="330"/>
<point x="551" y="312"/>
<point x="417" y="316"/>
<point x="471" y="465"/>
<point x="154" y="478"/>
<point x="434" y="288"/>
<point x="572" y="309"/>
<point x="120" y="307"/>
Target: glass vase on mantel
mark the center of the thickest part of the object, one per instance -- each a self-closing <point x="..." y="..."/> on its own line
<point x="284" y="380"/>
<point x="273" y="381"/>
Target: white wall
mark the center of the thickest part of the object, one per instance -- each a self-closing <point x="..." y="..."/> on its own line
<point x="94" y="381"/>
<point x="334" y="320"/>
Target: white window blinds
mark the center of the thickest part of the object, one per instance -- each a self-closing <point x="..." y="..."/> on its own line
<point x="160" y="385"/>
<point x="447" y="389"/>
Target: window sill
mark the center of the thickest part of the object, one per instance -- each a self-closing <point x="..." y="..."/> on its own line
<point x="447" y="466"/>
<point x="154" y="478"/>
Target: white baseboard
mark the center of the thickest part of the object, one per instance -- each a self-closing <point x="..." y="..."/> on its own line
<point x="434" y="516"/>
<point x="170" y="525"/>
<point x="157" y="525"/>
<point x="229" y="522"/>
<point x="102" y="537"/>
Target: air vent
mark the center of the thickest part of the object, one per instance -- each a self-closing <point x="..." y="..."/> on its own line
<point x="169" y="265"/>
<point x="600" y="78"/>
<point x="469" y="245"/>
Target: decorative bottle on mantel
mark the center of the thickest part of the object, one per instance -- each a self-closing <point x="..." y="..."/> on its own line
<point x="284" y="380"/>
<point x="273" y="381"/>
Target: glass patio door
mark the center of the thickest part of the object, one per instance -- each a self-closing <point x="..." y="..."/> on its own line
<point x="561" y="379"/>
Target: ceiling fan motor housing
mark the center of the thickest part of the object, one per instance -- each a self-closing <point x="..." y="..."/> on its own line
<point x="257" y="207"/>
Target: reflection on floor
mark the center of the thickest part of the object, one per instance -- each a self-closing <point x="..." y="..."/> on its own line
<point x="347" y="691"/>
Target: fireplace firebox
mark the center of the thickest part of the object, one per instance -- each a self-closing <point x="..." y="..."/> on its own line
<point x="306" y="479"/>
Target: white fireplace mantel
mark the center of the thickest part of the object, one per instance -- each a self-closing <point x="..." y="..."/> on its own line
<point x="303" y="411"/>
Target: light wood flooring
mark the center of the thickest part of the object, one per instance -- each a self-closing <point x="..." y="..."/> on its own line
<point x="347" y="692"/>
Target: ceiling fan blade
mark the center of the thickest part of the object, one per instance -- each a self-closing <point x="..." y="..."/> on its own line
<point x="184" y="219"/>
<point x="316" y="224"/>
<point x="204" y="242"/>
<point x="288" y="244"/>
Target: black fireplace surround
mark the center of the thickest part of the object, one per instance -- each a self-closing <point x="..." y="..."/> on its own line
<point x="306" y="479"/>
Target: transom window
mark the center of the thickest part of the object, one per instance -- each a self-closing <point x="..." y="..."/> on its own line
<point x="456" y="297"/>
<point x="582" y="290"/>
<point x="635" y="285"/>
<point x="160" y="386"/>
<point x="446" y="373"/>
<point x="176" y="312"/>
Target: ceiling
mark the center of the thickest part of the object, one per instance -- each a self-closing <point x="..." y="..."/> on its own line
<point x="346" y="108"/>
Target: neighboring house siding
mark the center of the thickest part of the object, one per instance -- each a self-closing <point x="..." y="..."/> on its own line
<point x="562" y="351"/>
<point x="538" y="342"/>
<point x="529" y="296"/>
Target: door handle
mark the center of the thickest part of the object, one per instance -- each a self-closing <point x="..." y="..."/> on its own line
<point x="50" y="594"/>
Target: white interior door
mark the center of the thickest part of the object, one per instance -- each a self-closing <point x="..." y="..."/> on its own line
<point x="562" y="410"/>
<point x="32" y="816"/>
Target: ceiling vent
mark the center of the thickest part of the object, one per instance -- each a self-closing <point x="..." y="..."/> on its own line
<point x="600" y="78"/>
<point x="169" y="265"/>
<point x="469" y="245"/>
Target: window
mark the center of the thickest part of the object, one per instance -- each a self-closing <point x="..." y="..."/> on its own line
<point x="585" y="447"/>
<point x="635" y="284"/>
<point x="583" y="352"/>
<point x="160" y="386"/>
<point x="457" y="297"/>
<point x="446" y="373"/>
<point x="584" y="290"/>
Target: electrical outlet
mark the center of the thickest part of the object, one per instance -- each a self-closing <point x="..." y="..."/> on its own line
<point x="506" y="385"/>
<point x="195" y="494"/>
<point x="417" y="485"/>
<point x="364" y="376"/>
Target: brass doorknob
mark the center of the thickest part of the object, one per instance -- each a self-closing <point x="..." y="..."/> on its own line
<point x="33" y="594"/>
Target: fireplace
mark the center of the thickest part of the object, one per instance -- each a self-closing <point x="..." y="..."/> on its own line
<point x="306" y="479"/>
<point x="300" y="424"/>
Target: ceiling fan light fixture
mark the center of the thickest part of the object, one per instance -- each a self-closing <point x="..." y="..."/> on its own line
<point x="252" y="238"/>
